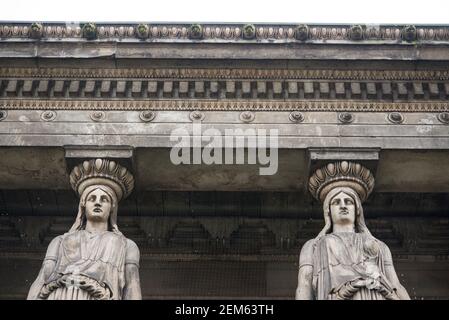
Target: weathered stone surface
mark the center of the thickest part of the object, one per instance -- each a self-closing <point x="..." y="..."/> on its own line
<point x="345" y="261"/>
<point x="51" y="88"/>
<point x="77" y="263"/>
<point x="223" y="51"/>
<point x="394" y="168"/>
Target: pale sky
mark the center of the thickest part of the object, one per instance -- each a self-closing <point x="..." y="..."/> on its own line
<point x="243" y="11"/>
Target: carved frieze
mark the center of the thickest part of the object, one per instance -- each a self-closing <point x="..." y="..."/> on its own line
<point x="224" y="105"/>
<point x="221" y="73"/>
<point x="214" y="32"/>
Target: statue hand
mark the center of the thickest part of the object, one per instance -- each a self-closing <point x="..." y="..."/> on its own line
<point x="73" y="280"/>
<point x="359" y="283"/>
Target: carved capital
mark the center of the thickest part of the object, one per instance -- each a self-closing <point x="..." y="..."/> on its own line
<point x="341" y="174"/>
<point x="102" y="172"/>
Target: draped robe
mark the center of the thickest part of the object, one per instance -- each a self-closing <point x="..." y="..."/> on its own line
<point x="339" y="258"/>
<point x="88" y="266"/>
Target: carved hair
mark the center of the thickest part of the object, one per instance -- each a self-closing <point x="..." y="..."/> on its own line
<point x="360" y="226"/>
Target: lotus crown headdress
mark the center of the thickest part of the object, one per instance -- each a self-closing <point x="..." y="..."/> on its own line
<point x="341" y="174"/>
<point x="102" y="172"/>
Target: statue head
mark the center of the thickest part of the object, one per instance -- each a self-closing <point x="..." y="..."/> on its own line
<point x="342" y="186"/>
<point x="101" y="184"/>
<point x="342" y="209"/>
<point x="97" y="203"/>
<point x="342" y="205"/>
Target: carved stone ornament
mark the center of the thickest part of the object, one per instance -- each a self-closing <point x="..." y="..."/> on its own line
<point x="224" y="105"/>
<point x="3" y="114"/>
<point x="302" y="32"/>
<point x="36" y="30"/>
<point x="409" y="33"/>
<point x="142" y="31"/>
<point x="196" y="116"/>
<point x="395" y="117"/>
<point x="98" y="116"/>
<point x="211" y="32"/>
<point x="345" y="117"/>
<point x="89" y="31"/>
<point x="147" y="116"/>
<point x="285" y="74"/>
<point x="249" y="31"/>
<point x="296" y="116"/>
<point x="196" y="31"/>
<point x="356" y="33"/>
<point x="48" y="115"/>
<point x="102" y="171"/>
<point x="443" y="117"/>
<point x="338" y="174"/>
<point x="247" y="116"/>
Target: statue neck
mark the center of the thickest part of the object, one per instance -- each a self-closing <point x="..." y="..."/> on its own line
<point x="343" y="228"/>
<point x="96" y="226"/>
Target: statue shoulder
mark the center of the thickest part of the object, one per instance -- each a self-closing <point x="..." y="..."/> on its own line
<point x="53" y="248"/>
<point x="306" y="255"/>
<point x="131" y="245"/>
<point x="56" y="241"/>
<point x="384" y="249"/>
<point x="382" y="245"/>
<point x="132" y="252"/>
<point x="308" y="246"/>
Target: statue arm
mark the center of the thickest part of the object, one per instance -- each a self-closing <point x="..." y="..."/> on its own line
<point x="47" y="268"/>
<point x="132" y="289"/>
<point x="304" y="291"/>
<point x="391" y="275"/>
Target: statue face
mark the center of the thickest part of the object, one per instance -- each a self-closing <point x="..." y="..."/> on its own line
<point x="342" y="208"/>
<point x="98" y="206"/>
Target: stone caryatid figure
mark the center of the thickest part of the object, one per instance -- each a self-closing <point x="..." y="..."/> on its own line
<point x="345" y="261"/>
<point x="93" y="260"/>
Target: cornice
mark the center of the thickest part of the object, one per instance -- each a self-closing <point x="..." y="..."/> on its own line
<point x="222" y="84"/>
<point x="223" y="89"/>
<point x="215" y="32"/>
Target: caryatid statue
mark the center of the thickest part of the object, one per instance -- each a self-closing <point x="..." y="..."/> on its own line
<point x="345" y="261"/>
<point x="93" y="260"/>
